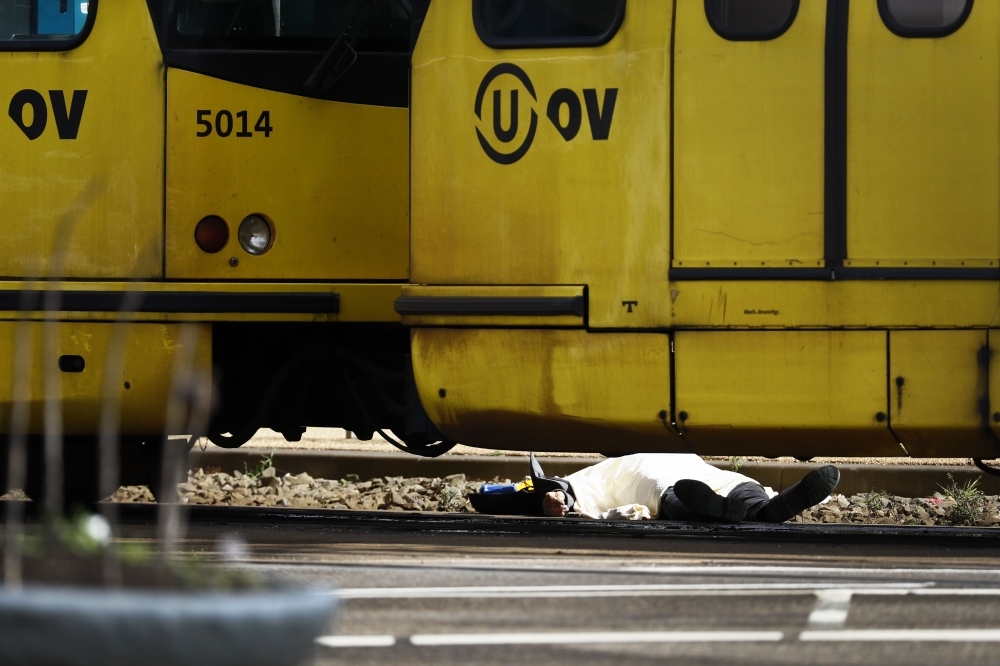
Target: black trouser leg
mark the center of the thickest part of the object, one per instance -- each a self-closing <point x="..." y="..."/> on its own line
<point x="672" y="508"/>
<point x="811" y="490"/>
<point x="751" y="495"/>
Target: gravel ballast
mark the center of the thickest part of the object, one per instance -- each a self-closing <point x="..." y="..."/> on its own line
<point x="881" y="509"/>
<point x="267" y="487"/>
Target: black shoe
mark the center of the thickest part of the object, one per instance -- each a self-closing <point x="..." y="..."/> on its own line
<point x="702" y="500"/>
<point x="810" y="491"/>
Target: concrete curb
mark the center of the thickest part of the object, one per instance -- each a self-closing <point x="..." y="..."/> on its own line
<point x="903" y="480"/>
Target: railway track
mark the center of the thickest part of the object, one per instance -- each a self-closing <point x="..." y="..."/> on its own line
<point x="483" y="525"/>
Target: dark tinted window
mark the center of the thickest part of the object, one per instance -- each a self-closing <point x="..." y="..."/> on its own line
<point x="313" y="48"/>
<point x="291" y="24"/>
<point x="534" y="23"/>
<point x="43" y="24"/>
<point x="751" y="20"/>
<point x="924" y="18"/>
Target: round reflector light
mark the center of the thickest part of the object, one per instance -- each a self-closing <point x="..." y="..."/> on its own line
<point x="211" y="234"/>
<point x="254" y="234"/>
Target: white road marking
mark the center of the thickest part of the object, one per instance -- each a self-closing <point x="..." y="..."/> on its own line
<point x="768" y="570"/>
<point x="827" y="618"/>
<point x="620" y="637"/>
<point x="356" y="641"/>
<point x="708" y="569"/>
<point x="577" y="638"/>
<point x="564" y="591"/>
<point x="832" y="607"/>
<point x="956" y="591"/>
<point x="904" y="635"/>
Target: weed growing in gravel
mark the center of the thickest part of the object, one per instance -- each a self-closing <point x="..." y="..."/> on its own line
<point x="877" y="501"/>
<point x="969" y="500"/>
<point x="736" y="462"/>
<point x="453" y="499"/>
<point x="258" y="471"/>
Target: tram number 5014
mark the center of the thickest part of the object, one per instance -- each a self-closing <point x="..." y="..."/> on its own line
<point x="225" y="124"/>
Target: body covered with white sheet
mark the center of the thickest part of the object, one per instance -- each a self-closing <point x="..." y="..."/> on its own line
<point x="631" y="487"/>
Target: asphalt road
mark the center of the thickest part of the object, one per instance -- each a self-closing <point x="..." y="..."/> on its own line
<point x="453" y="598"/>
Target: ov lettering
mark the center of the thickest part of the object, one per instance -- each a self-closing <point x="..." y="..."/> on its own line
<point x="67" y="119"/>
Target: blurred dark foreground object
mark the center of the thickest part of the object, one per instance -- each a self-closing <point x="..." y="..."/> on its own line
<point x="93" y="627"/>
<point x="175" y="612"/>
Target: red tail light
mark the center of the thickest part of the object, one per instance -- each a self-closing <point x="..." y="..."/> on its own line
<point x="211" y="234"/>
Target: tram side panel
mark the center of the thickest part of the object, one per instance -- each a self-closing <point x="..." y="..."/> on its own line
<point x="536" y="169"/>
<point x="81" y="181"/>
<point x="264" y="127"/>
<point x="560" y="389"/>
<point x="102" y="137"/>
<point x="750" y="151"/>
<point x="573" y="189"/>
<point x="330" y="178"/>
<point x="81" y="187"/>
<point x="789" y="221"/>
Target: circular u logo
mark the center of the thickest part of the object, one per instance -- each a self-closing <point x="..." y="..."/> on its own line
<point x="506" y="134"/>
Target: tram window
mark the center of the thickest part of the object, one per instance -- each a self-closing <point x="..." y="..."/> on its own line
<point x="541" y="23"/>
<point x="44" y="25"/>
<point x="924" y="18"/>
<point x="296" y="25"/>
<point x="355" y="51"/>
<point x="751" y="20"/>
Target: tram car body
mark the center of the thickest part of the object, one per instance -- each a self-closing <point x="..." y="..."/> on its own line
<point x="240" y="166"/>
<point x="718" y="226"/>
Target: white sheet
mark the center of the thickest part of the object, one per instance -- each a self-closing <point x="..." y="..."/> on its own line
<point x="620" y="488"/>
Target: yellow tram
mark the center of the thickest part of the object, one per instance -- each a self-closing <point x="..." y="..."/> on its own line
<point x="719" y="226"/>
<point x="229" y="176"/>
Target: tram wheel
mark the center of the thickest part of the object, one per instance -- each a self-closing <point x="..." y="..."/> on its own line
<point x="981" y="464"/>
<point x="419" y="445"/>
<point x="232" y="440"/>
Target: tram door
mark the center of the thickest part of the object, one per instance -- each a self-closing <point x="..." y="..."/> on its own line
<point x="748" y="134"/>
<point x="923" y="134"/>
<point x="749" y="192"/>
<point x="923" y="197"/>
<point x="81" y="177"/>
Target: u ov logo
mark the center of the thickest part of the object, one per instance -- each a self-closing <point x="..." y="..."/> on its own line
<point x="506" y="135"/>
<point x="599" y="114"/>
<point x="67" y="120"/>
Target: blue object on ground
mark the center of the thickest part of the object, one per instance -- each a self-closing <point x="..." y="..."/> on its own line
<point x="498" y="488"/>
